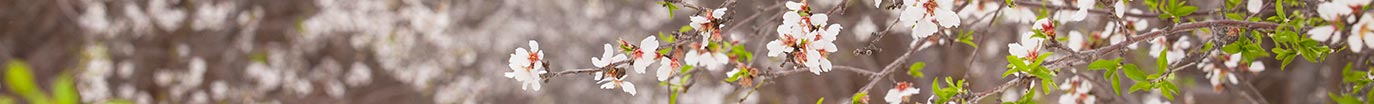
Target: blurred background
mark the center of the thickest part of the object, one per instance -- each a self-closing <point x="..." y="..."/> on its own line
<point x="454" y="51"/>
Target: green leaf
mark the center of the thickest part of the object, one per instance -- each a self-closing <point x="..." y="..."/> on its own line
<point x="1207" y="46"/>
<point x="64" y="90"/>
<point x="665" y="50"/>
<point x="820" y="101"/>
<point x="20" y="80"/>
<point x="1116" y="82"/>
<point x="742" y="54"/>
<point x="1163" y="61"/>
<point x="736" y="76"/>
<point x="858" y="96"/>
<point x="915" y="69"/>
<point x="684" y="28"/>
<point x="1141" y="86"/>
<point x="1184" y="11"/>
<point x="1132" y="72"/>
<point x="667" y="38"/>
<point x="672" y="98"/>
<point x="967" y="38"/>
<point x="1104" y="64"/>
<point x="1344" y="99"/>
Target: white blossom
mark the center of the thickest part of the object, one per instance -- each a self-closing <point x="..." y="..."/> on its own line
<point x="606" y="58"/>
<point x="526" y="66"/>
<point x="612" y="83"/>
<point x="1254" y="6"/>
<point x="1340" y="9"/>
<point x="1076" y="91"/>
<point x="1324" y="33"/>
<point x="900" y="93"/>
<point x="1119" y="8"/>
<point x="1077" y="42"/>
<point x="646" y="54"/>
<point x="808" y="40"/>
<point x="1028" y="48"/>
<point x="1362" y="34"/>
<point x="927" y="14"/>
<point x="706" y="25"/>
<point x="666" y="68"/>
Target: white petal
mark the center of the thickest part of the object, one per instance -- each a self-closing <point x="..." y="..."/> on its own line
<point x="923" y="29"/>
<point x="1076" y="41"/>
<point x="1254" y="6"/>
<point x="534" y="45"/>
<point x="697" y="21"/>
<point x="794" y="5"/>
<point x="649" y="43"/>
<point x="692" y="58"/>
<point x="819" y="19"/>
<point x="877" y="3"/>
<point x="1017" y="50"/>
<point x="1356" y="43"/>
<point x="947" y="18"/>
<point x="628" y="87"/>
<point x="1256" y="66"/>
<point x="718" y="13"/>
<point x="1322" y="33"/>
<point x="893" y="96"/>
<point x="1120" y="8"/>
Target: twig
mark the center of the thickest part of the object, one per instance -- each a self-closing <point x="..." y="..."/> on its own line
<point x="1099" y="11"/>
<point x="1093" y="54"/>
<point x="873" y="80"/>
<point x="1014" y="82"/>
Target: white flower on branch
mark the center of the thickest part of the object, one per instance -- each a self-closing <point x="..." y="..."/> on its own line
<point x="926" y="15"/>
<point x="606" y="58"/>
<point x="527" y="65"/>
<point x="1119" y="8"/>
<point x="1254" y="6"/>
<point x="1028" y="48"/>
<point x="706" y="57"/>
<point x="1175" y="50"/>
<point x="1324" y="33"/>
<point x="901" y="93"/>
<point x="707" y="25"/>
<point x="1362" y="34"/>
<point x="806" y="40"/>
<point x="1077" y="41"/>
<point x="1218" y="75"/>
<point x="1340" y="9"/>
<point x="666" y="68"/>
<point x="1076" y="91"/>
<point x="645" y="54"/>
<point x="620" y="82"/>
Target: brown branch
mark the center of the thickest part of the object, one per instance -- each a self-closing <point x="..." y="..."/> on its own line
<point x="1099" y="11"/>
<point x="873" y="80"/>
<point x="1014" y="82"/>
<point x="1096" y="53"/>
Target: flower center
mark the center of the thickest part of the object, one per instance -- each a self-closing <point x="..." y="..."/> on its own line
<point x="930" y="7"/>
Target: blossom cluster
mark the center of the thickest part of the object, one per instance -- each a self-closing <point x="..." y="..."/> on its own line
<point x="805" y="38"/>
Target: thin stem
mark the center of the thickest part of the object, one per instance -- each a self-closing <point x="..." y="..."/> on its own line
<point x="1098" y="11"/>
<point x="1014" y="82"/>
<point x="873" y="80"/>
<point x="1096" y="53"/>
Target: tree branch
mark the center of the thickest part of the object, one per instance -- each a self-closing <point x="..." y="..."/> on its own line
<point x="1057" y="7"/>
<point x="1096" y="53"/>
